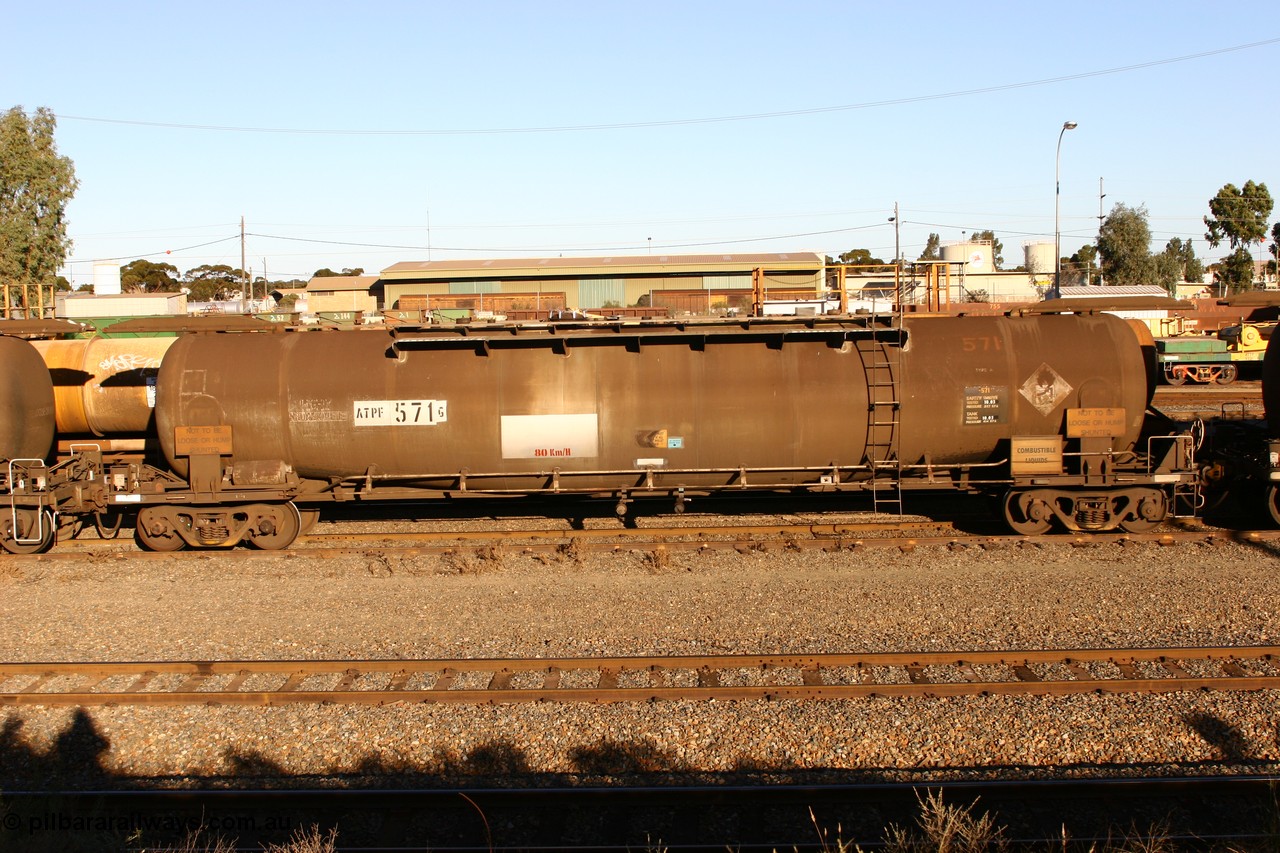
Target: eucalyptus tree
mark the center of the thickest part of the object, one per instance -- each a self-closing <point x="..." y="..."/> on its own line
<point x="1178" y="263"/>
<point x="932" y="248"/>
<point x="1124" y="242"/>
<point x="1239" y="216"/>
<point x="36" y="184"/>
<point x="149" y="277"/>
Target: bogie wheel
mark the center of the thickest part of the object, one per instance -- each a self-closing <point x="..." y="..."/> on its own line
<point x="108" y="525"/>
<point x="278" y="526"/>
<point x="1273" y="503"/>
<point x="309" y="518"/>
<point x="154" y="533"/>
<point x="1175" y="376"/>
<point x="35" y="528"/>
<point x="1138" y="525"/>
<point x="1025" y="515"/>
<point x="1227" y="375"/>
<point x="1147" y="513"/>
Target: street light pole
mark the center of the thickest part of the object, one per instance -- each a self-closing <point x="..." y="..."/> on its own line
<point x="1057" y="196"/>
<point x="897" y="243"/>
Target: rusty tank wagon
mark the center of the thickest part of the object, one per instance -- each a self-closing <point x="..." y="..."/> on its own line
<point x="1045" y="412"/>
<point x="26" y="435"/>
<point x="1271" y="408"/>
<point x="103" y="386"/>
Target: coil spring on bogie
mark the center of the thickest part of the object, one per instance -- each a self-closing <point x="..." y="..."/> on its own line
<point x="210" y="531"/>
<point x="1092" y="515"/>
<point x="213" y="535"/>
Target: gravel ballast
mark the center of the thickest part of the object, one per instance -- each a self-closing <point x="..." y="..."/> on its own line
<point x="508" y="604"/>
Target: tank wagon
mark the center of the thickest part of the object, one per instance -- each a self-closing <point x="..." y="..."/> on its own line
<point x="103" y="386"/>
<point x="1271" y="409"/>
<point x="261" y="429"/>
<point x="255" y="431"/>
<point x="26" y="435"/>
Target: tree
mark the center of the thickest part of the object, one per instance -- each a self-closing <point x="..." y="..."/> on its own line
<point x="1239" y="216"/>
<point x="36" y="184"/>
<point x="1084" y="265"/>
<point x="1234" y="273"/>
<point x="1275" y="249"/>
<point x="142" y="276"/>
<point x="211" y="283"/>
<point x="1166" y="271"/>
<point x="1185" y="265"/>
<point x="997" y="257"/>
<point x="932" y="249"/>
<point x="1123" y="243"/>
<point x="328" y="273"/>
<point x="859" y="256"/>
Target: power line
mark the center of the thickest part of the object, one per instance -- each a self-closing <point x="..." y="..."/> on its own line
<point x="166" y="251"/>
<point x="489" y="250"/>
<point x="637" y="248"/>
<point x="960" y="93"/>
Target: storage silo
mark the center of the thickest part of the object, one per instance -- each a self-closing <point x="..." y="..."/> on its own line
<point x="976" y="255"/>
<point x="106" y="278"/>
<point x="1039" y="256"/>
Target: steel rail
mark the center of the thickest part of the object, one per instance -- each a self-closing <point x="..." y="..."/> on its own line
<point x="813" y="529"/>
<point x="691" y="528"/>
<point x="645" y="679"/>
<point x="683" y="539"/>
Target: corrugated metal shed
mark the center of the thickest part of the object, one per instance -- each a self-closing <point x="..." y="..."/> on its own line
<point x="336" y="283"/>
<point x="1110" y="292"/>
<point x="509" y="268"/>
<point x="87" y="305"/>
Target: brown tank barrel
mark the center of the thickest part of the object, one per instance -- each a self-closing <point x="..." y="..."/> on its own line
<point x="970" y="383"/>
<point x="1271" y="385"/>
<point x="1150" y="357"/>
<point x="104" y="386"/>
<point x="26" y="402"/>
<point x="527" y="402"/>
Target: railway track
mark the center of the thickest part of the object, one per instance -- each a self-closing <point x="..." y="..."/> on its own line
<point x="642" y="679"/>
<point x="1239" y="400"/>
<point x="744" y="538"/>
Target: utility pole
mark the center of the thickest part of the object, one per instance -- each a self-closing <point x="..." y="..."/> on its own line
<point x="1101" y="196"/>
<point x="1057" y="204"/>
<point x="897" y="250"/>
<point x="244" y="275"/>
<point x="897" y="242"/>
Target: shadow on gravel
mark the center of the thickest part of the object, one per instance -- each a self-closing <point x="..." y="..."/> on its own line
<point x="488" y="797"/>
<point x="74" y="759"/>
<point x="968" y="513"/>
<point x="1221" y="735"/>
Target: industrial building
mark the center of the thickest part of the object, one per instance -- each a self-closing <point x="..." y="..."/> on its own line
<point x="679" y="283"/>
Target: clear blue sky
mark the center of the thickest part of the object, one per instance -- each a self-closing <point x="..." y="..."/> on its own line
<point x="517" y="129"/>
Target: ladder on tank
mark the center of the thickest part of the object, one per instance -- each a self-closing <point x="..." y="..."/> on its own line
<point x="881" y="362"/>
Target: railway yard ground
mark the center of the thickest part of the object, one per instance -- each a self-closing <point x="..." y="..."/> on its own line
<point x="109" y="604"/>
